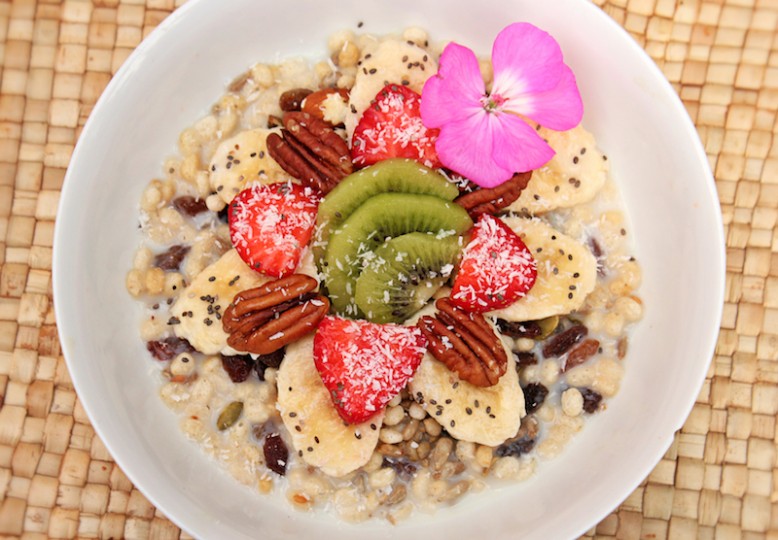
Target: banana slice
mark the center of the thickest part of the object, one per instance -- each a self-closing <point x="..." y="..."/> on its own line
<point x="573" y="176"/>
<point x="487" y="416"/>
<point x="242" y="159"/>
<point x="319" y="435"/>
<point x="391" y="61"/>
<point x="567" y="272"/>
<point x="199" y="326"/>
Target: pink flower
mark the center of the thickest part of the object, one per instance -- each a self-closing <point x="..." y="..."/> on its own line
<point x="484" y="136"/>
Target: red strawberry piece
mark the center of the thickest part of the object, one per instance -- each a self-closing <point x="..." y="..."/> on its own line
<point x="364" y="365"/>
<point x="391" y="127"/>
<point x="271" y="224"/>
<point x="496" y="269"/>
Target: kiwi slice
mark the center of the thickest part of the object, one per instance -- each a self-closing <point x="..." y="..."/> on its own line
<point x="389" y="176"/>
<point x="353" y="244"/>
<point x="404" y="274"/>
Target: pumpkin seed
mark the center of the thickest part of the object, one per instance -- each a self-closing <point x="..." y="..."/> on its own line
<point x="229" y="415"/>
<point x="547" y="327"/>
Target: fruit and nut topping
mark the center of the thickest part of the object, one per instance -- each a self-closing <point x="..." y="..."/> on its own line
<point x="265" y="319"/>
<point x="354" y="298"/>
<point x="465" y="343"/>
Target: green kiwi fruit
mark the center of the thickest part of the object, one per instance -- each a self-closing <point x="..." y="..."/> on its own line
<point x="389" y="176"/>
<point x="383" y="216"/>
<point x="403" y="276"/>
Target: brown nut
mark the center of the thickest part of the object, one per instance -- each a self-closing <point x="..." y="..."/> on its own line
<point x="314" y="103"/>
<point x="465" y="343"/>
<point x="310" y="150"/>
<point x="492" y="200"/>
<point x="267" y="318"/>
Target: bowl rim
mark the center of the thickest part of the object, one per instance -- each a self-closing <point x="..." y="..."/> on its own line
<point x="69" y="195"/>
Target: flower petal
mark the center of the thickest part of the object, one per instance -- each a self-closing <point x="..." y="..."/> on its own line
<point x="517" y="146"/>
<point x="560" y="108"/>
<point x="454" y="93"/>
<point x="464" y="146"/>
<point x="525" y="59"/>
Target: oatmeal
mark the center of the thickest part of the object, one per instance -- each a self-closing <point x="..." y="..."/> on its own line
<point x="353" y="305"/>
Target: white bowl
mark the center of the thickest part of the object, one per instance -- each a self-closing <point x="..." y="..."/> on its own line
<point x="182" y="68"/>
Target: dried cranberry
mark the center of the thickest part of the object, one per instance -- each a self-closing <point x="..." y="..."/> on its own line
<point x="171" y="259"/>
<point x="276" y="453"/>
<point x="526" y="329"/>
<point x="534" y="396"/>
<point x="404" y="468"/>
<point x="591" y="399"/>
<point x="562" y="342"/>
<point x="168" y="348"/>
<point x="189" y="205"/>
<point x="238" y="367"/>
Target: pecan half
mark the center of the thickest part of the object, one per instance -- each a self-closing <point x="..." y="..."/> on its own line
<point x="310" y="150"/>
<point x="265" y="319"/>
<point x="492" y="200"/>
<point x="465" y="343"/>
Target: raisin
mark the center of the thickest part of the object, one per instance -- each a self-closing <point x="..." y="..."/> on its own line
<point x="292" y="100"/>
<point x="168" y="348"/>
<point x="581" y="353"/>
<point x="276" y="453"/>
<point x="189" y="205"/>
<point x="526" y="329"/>
<point x="238" y="367"/>
<point x="534" y="396"/>
<point x="404" y="468"/>
<point x="524" y="359"/>
<point x="562" y="342"/>
<point x="272" y="360"/>
<point x="264" y="361"/>
<point x="224" y="214"/>
<point x="592" y="400"/>
<point x="523" y="442"/>
<point x="171" y="259"/>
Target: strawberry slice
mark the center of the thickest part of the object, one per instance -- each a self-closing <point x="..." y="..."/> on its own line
<point x="496" y="269"/>
<point x="391" y="127"/>
<point x="364" y="365"/>
<point x="271" y="224"/>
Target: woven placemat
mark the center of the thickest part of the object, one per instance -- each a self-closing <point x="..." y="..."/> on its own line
<point x="718" y="480"/>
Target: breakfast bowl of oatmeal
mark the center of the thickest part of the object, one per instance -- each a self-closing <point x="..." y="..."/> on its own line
<point x="388" y="271"/>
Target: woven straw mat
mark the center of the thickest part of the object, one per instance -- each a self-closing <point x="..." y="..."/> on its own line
<point x="718" y="480"/>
